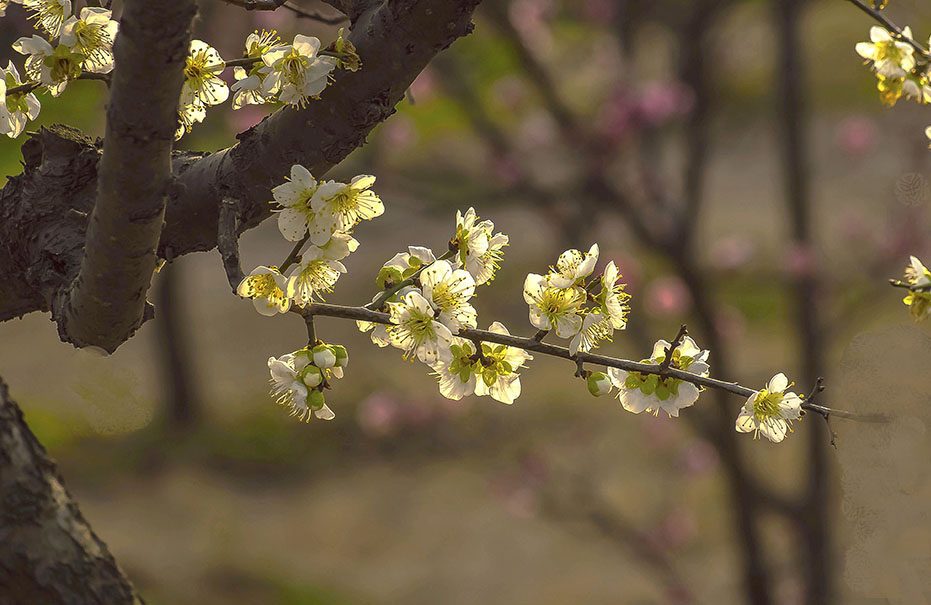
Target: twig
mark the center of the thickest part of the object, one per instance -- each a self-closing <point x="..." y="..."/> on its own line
<point x="31" y="86"/>
<point x="303" y="13"/>
<point x="891" y="27"/>
<point x="311" y="331"/>
<point x="895" y="283"/>
<point x="228" y="241"/>
<point x="294" y="255"/>
<point x="672" y="347"/>
<point x="389" y="292"/>
<point x="529" y="344"/>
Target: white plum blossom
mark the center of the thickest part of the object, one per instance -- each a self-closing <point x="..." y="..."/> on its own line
<point x="553" y="308"/>
<point x="289" y="386"/>
<point x="92" y="35"/>
<point x="651" y="392"/>
<point x="379" y="332"/>
<point x="266" y="287"/>
<point x="573" y="267"/>
<point x="319" y="269"/>
<point x="598" y="384"/>
<point x="480" y="252"/>
<point x="416" y="331"/>
<point x="612" y="298"/>
<point x="341" y="206"/>
<point x="918" y="299"/>
<point x="49" y="14"/>
<point x="497" y="369"/>
<point x="202" y="85"/>
<point x="52" y="67"/>
<point x="297" y="216"/>
<point x="891" y="58"/>
<point x="448" y="292"/>
<point x="770" y="411"/>
<point x="455" y="375"/>
<point x="404" y="265"/>
<point x="295" y="72"/>
<point x="247" y="90"/>
<point x="15" y="108"/>
<point x="595" y="328"/>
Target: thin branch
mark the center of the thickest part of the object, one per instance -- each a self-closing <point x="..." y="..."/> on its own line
<point x="303" y="13"/>
<point x="895" y="283"/>
<point x="294" y="255"/>
<point x="529" y="344"/>
<point x="672" y="347"/>
<point x="891" y="27"/>
<point x="228" y="241"/>
<point x="389" y="292"/>
<point x="31" y="86"/>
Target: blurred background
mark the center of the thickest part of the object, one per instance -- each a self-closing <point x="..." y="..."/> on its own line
<point x="734" y="160"/>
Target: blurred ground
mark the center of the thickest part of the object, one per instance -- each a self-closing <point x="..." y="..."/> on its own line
<point x="407" y="497"/>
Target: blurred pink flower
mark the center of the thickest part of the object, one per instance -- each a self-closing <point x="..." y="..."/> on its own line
<point x="599" y="11"/>
<point x="247" y="117"/>
<point x="424" y="87"/>
<point x="399" y="133"/>
<point x="856" y="135"/>
<point x="506" y="168"/>
<point x="799" y="260"/>
<point x="667" y="297"/>
<point x="509" y="91"/>
<point x="732" y="252"/>
<point x="659" y="432"/>
<point x="379" y="414"/>
<point x="677" y="529"/>
<point x="537" y="130"/>
<point x="697" y="457"/>
<point x="660" y="102"/>
<point x="615" y="117"/>
<point x="731" y="322"/>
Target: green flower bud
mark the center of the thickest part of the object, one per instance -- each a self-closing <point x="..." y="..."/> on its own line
<point x="311" y="376"/>
<point x="598" y="384"/>
<point x="324" y="356"/>
<point x="342" y="355"/>
<point x="315" y="400"/>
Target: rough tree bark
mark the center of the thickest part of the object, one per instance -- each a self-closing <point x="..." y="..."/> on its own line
<point x="43" y="212"/>
<point x="49" y="554"/>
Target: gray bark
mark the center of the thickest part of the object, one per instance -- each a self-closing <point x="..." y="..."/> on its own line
<point x="49" y="553"/>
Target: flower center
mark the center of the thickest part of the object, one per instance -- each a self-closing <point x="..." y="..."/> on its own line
<point x="93" y="40"/>
<point x="766" y="405"/>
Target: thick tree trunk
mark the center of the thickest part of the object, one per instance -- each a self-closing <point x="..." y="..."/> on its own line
<point x="49" y="553"/>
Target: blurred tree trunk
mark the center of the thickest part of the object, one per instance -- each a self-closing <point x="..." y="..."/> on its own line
<point x="178" y="379"/>
<point x="816" y="501"/>
<point x="49" y="554"/>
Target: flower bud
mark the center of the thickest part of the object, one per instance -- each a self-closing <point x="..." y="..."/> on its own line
<point x="342" y="356"/>
<point x="598" y="384"/>
<point x="315" y="400"/>
<point x="311" y="376"/>
<point x="324" y="356"/>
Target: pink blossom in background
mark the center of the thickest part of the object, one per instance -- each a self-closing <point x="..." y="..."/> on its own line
<point x="799" y="260"/>
<point x="399" y="133"/>
<point x="667" y="297"/>
<point x="509" y="92"/>
<point x="628" y="265"/>
<point x="424" y="87"/>
<point x="677" y="529"/>
<point x="697" y="457"/>
<point x="732" y="252"/>
<point x="660" y="102"/>
<point x="506" y="169"/>
<point x="857" y="135"/>
<point x="615" y="120"/>
<point x="731" y="322"/>
<point x="537" y="130"/>
<point x="519" y="490"/>
<point x="379" y="414"/>
<point x="599" y="11"/>
<point x="248" y="116"/>
<point x="659" y="432"/>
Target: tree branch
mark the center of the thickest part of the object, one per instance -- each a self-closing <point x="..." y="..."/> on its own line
<point x="43" y="212"/>
<point x="106" y="303"/>
<point x="50" y="554"/>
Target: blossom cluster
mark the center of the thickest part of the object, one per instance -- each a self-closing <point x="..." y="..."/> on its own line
<point x="918" y="299"/>
<point x="272" y="70"/>
<point x="896" y="66"/>
<point x="299" y="378"/>
<point x="563" y="302"/>
<point x="71" y="45"/>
